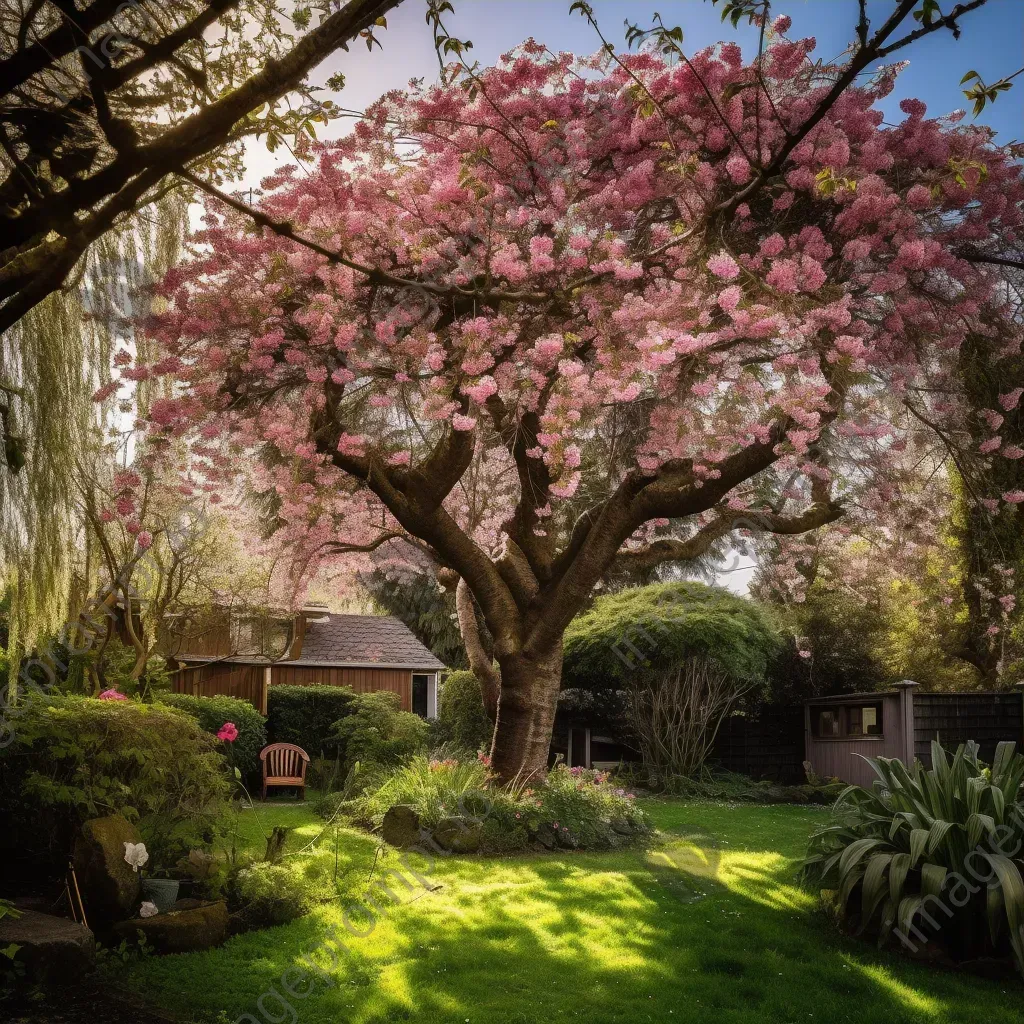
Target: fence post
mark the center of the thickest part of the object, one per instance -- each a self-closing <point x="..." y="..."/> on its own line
<point x="1020" y="690"/>
<point x="906" y="688"/>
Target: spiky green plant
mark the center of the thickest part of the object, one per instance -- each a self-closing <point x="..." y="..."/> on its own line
<point x="916" y="845"/>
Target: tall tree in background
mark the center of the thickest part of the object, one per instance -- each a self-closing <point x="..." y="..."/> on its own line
<point x="699" y="279"/>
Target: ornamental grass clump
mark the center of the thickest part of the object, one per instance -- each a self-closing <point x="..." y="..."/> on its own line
<point x="931" y="855"/>
<point x="437" y="788"/>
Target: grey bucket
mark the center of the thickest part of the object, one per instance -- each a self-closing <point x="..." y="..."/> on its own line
<point x="161" y="891"/>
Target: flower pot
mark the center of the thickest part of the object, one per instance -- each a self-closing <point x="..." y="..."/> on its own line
<point x="161" y="891"/>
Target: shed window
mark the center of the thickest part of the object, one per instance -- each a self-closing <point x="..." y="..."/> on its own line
<point x="847" y="720"/>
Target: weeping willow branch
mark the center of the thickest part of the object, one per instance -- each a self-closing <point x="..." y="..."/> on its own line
<point x="51" y="363"/>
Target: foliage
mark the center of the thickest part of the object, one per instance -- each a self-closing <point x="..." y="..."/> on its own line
<point x="574" y="808"/>
<point x="843" y="639"/>
<point x="438" y="789"/>
<point x="307" y="716"/>
<point x="651" y="629"/>
<point x="212" y="712"/>
<point x="427" y="608"/>
<point x="270" y="894"/>
<point x="74" y="758"/>
<point x="937" y="849"/>
<point x="110" y="667"/>
<point x="877" y="607"/>
<point x="377" y="732"/>
<point x="461" y="719"/>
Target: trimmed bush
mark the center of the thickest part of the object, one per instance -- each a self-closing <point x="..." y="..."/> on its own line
<point x="657" y="628"/>
<point x="462" y="721"/>
<point x="74" y="758"/>
<point x="212" y="712"/>
<point x="307" y="716"/>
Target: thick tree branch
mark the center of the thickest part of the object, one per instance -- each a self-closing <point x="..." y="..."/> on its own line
<point x="726" y="520"/>
<point x="480" y="662"/>
<point x="22" y="65"/>
<point x="192" y="138"/>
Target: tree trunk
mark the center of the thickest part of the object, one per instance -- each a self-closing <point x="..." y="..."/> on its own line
<point x="526" y="714"/>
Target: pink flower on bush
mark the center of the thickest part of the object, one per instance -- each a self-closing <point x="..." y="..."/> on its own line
<point x="228" y="732"/>
<point x="483" y="759"/>
<point x="112" y="694"/>
<point x="144" y="539"/>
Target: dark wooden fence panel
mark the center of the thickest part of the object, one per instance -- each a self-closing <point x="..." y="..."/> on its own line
<point x="954" y="718"/>
<point x="768" y="746"/>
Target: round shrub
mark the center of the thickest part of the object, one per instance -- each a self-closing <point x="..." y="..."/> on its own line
<point x="377" y="732"/>
<point x="269" y="894"/>
<point x="212" y="712"/>
<point x="74" y="758"/>
<point x="650" y="629"/>
<point x="461" y="720"/>
<point x="307" y="716"/>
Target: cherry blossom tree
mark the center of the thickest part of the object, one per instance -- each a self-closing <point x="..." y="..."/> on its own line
<point x="562" y="315"/>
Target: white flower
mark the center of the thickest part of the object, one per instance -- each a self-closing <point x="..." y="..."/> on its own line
<point x="148" y="909"/>
<point x="136" y="855"/>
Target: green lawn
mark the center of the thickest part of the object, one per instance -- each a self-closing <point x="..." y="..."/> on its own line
<point x="708" y="926"/>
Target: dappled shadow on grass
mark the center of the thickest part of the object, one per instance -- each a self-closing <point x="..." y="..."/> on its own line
<point x="691" y="930"/>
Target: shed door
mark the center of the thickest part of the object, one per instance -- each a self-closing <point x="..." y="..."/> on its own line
<point x="578" y="747"/>
<point x="419" y="695"/>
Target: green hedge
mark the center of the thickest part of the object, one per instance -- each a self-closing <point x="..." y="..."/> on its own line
<point x="74" y="758"/>
<point x="212" y="712"/>
<point x="306" y="715"/>
<point x="461" y="718"/>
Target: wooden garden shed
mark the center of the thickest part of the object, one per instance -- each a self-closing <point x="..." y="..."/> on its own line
<point x="902" y="722"/>
<point x="365" y="652"/>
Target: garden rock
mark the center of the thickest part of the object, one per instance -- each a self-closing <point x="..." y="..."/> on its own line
<point x="191" y="925"/>
<point x="109" y="886"/>
<point x="456" y="835"/>
<point x="55" y="951"/>
<point x="546" y="836"/>
<point x="401" y="826"/>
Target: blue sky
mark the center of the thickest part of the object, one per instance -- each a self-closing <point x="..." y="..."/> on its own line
<point x="992" y="42"/>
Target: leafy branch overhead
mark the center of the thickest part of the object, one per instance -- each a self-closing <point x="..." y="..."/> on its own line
<point x="100" y="103"/>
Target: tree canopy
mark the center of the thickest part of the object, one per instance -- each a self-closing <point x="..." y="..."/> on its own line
<point x="564" y="314"/>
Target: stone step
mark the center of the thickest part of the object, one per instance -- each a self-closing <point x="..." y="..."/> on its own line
<point x="54" y="950"/>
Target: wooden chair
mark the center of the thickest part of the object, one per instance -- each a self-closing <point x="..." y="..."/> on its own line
<point x="284" y="764"/>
